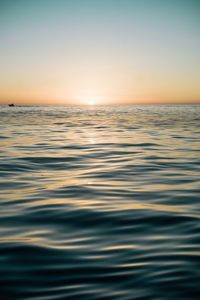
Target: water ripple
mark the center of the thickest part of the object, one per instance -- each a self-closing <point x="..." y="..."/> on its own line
<point x="100" y="203"/>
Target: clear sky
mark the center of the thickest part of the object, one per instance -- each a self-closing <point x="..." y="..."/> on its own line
<point x="100" y="51"/>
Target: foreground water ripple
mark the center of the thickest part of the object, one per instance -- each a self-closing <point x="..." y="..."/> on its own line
<point x="100" y="202"/>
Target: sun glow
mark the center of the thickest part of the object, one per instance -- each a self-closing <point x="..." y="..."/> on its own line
<point x="91" y="100"/>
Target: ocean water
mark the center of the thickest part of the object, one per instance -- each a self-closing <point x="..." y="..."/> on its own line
<point x="100" y="202"/>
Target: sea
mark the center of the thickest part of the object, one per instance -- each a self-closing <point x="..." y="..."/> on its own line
<point x="100" y="202"/>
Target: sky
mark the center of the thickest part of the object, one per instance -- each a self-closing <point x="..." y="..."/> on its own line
<point x="99" y="51"/>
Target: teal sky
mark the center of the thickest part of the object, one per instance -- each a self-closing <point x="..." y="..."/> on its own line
<point x="100" y="51"/>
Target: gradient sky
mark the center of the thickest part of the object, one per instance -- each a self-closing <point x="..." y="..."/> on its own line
<point x="101" y="51"/>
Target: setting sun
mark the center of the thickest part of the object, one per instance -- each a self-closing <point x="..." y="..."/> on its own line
<point x="91" y="102"/>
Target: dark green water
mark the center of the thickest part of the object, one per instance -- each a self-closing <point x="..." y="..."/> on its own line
<point x="100" y="203"/>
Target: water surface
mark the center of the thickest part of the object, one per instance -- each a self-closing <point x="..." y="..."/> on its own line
<point x="100" y="203"/>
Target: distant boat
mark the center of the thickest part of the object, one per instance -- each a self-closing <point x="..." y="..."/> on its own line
<point x="11" y="105"/>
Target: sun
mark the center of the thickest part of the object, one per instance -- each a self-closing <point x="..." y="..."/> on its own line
<point x="91" y="102"/>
